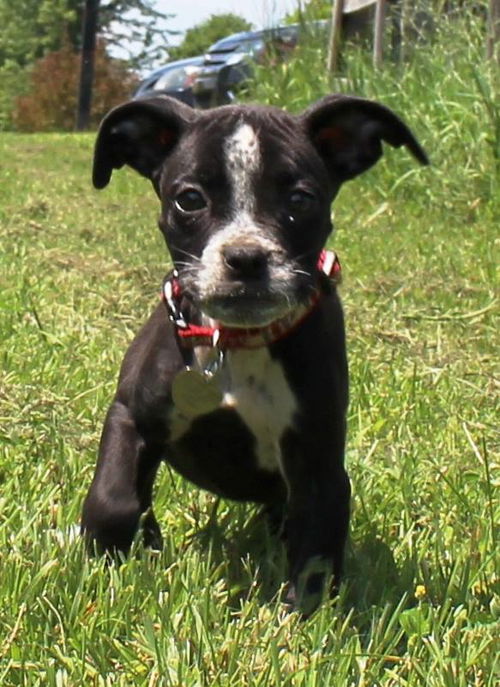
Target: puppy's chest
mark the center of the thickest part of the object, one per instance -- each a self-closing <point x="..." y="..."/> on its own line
<point x="254" y="386"/>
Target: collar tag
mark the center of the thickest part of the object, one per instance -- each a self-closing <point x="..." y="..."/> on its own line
<point x="196" y="393"/>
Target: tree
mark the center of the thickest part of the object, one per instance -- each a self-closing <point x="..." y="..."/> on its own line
<point x="30" y="29"/>
<point x="87" y="63"/>
<point x="128" y="24"/>
<point x="198" y="39"/>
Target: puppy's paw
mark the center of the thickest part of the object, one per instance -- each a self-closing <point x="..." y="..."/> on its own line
<point x="311" y="586"/>
<point x="151" y="531"/>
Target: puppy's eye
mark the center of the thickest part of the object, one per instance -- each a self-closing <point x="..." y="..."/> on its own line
<point x="190" y="200"/>
<point x="300" y="201"/>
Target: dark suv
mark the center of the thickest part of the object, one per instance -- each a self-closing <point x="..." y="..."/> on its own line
<point x="229" y="61"/>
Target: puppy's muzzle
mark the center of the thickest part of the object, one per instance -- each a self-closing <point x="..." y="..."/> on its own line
<point x="251" y="287"/>
<point x="246" y="262"/>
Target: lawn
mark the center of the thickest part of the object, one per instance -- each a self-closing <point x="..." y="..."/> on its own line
<point x="79" y="272"/>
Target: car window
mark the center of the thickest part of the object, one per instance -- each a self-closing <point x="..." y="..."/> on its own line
<point x="251" y="47"/>
<point x="175" y="78"/>
<point x="288" y="34"/>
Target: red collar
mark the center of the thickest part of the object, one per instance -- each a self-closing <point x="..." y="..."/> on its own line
<point x="191" y="335"/>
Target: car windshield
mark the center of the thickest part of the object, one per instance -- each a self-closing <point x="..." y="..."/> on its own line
<point x="236" y="42"/>
<point x="254" y="45"/>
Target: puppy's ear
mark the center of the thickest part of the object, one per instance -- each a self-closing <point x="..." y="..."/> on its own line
<point x="348" y="133"/>
<point x="140" y="133"/>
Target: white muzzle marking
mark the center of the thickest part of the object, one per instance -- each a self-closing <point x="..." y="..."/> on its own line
<point x="243" y="161"/>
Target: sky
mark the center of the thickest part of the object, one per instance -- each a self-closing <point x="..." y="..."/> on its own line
<point x="188" y="13"/>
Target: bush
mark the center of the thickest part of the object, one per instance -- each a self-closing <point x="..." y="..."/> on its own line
<point x="13" y="81"/>
<point x="51" y="103"/>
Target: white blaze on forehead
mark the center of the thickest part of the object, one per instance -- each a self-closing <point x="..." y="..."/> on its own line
<point x="243" y="161"/>
<point x="242" y="152"/>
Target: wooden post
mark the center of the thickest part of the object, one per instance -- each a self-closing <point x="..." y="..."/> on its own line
<point x="493" y="37"/>
<point x="403" y="29"/>
<point x="335" y="33"/>
<point x="87" y="64"/>
<point x="396" y="16"/>
<point x="378" y="33"/>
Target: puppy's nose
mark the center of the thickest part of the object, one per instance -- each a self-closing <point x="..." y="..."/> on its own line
<point x="246" y="262"/>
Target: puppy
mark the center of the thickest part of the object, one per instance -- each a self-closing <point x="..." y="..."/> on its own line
<point x="239" y="378"/>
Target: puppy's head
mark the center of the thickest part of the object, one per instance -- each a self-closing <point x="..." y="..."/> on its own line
<point x="246" y="191"/>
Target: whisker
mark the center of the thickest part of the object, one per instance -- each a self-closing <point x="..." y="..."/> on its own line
<point x="185" y="252"/>
<point x="184" y="263"/>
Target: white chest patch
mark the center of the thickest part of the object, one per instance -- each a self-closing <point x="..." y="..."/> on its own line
<point x="255" y="387"/>
<point x="262" y="397"/>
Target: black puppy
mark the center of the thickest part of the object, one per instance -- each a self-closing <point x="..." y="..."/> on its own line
<point x="239" y="379"/>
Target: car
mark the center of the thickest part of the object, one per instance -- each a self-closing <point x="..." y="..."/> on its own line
<point x="229" y="61"/>
<point x="174" y="79"/>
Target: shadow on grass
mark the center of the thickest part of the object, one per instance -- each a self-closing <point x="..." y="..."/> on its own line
<point x="249" y="551"/>
<point x="252" y="554"/>
<point x="372" y="577"/>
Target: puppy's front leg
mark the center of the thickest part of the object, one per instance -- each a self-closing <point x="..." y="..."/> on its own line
<point x="318" y="519"/>
<point x="121" y="490"/>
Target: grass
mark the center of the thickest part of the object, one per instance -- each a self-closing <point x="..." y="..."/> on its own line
<point x="421" y="601"/>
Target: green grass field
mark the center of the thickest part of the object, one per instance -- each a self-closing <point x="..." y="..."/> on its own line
<point x="80" y="270"/>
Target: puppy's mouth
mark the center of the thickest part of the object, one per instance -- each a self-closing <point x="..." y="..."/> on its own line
<point x="246" y="283"/>
<point x="246" y="306"/>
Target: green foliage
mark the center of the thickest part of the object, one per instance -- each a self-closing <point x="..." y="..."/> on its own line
<point x="79" y="271"/>
<point x="198" y="39"/>
<point x="460" y="104"/>
<point x="309" y="11"/>
<point x="30" y="28"/>
<point x="14" y="81"/>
